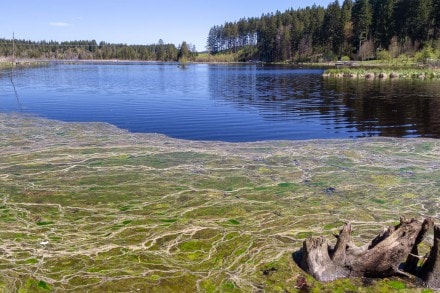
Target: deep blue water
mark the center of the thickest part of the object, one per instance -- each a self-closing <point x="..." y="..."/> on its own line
<point x="225" y="102"/>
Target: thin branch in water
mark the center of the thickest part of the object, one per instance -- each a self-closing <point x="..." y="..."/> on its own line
<point x="12" y="73"/>
<point x="16" y="95"/>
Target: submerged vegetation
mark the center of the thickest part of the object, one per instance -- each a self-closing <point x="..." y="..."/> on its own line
<point x="88" y="207"/>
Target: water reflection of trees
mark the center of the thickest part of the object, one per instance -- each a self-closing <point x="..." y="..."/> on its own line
<point x="358" y="107"/>
<point x="395" y="108"/>
<point x="277" y="94"/>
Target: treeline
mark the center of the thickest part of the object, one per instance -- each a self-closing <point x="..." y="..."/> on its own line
<point x="87" y="50"/>
<point x="357" y="29"/>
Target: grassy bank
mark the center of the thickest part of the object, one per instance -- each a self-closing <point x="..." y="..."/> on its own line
<point x="218" y="58"/>
<point x="383" y="73"/>
<point x="88" y="207"/>
<point x="7" y="65"/>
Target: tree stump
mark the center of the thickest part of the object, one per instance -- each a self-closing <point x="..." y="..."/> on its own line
<point x="430" y="271"/>
<point x="381" y="257"/>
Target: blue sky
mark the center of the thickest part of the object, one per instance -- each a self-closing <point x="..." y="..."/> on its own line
<point x="130" y="21"/>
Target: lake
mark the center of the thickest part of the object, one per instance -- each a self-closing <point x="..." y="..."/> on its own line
<point x="233" y="103"/>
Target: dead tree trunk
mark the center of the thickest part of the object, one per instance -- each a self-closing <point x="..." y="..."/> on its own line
<point x="430" y="271"/>
<point x="382" y="257"/>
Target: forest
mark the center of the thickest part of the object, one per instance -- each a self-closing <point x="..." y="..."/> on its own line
<point x="87" y="50"/>
<point x="359" y="30"/>
<point x="353" y="30"/>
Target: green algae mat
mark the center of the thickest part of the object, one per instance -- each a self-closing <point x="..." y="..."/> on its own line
<point x="92" y="208"/>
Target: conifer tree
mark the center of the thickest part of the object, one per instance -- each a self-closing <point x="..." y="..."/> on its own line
<point x="184" y="53"/>
<point x="383" y="22"/>
<point x="362" y="18"/>
<point x="333" y="28"/>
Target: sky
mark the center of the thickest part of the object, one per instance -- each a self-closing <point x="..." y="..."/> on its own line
<point x="131" y="21"/>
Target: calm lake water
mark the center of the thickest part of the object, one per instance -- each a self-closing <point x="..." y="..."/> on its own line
<point x="226" y="102"/>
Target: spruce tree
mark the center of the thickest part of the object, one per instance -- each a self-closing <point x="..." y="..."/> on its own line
<point x="362" y="18"/>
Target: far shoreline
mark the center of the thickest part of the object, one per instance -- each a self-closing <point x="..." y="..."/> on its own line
<point x="361" y="70"/>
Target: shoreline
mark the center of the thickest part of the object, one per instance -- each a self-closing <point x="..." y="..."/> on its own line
<point x="331" y="67"/>
<point x="41" y="119"/>
<point x="383" y="73"/>
<point x="31" y="117"/>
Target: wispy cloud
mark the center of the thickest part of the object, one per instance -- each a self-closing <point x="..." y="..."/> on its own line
<point x="59" y="24"/>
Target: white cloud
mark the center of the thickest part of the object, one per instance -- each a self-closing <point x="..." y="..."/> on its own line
<point x="59" y="24"/>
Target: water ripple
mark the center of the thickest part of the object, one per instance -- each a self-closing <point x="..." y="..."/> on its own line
<point x="227" y="102"/>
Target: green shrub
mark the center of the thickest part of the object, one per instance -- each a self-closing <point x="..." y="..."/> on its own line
<point x="403" y="59"/>
<point x="425" y="54"/>
<point x="384" y="55"/>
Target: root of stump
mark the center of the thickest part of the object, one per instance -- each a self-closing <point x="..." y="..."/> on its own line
<point x="394" y="252"/>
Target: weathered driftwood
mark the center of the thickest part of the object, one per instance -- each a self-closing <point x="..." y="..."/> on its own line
<point x="382" y="257"/>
